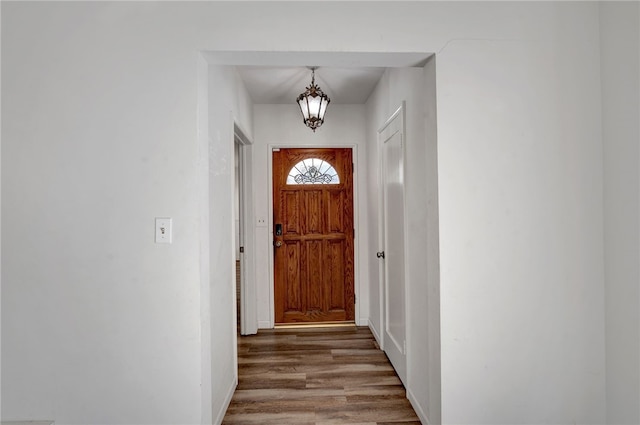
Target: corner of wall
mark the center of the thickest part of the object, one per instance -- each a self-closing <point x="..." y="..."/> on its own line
<point x="620" y="107"/>
<point x="203" y="217"/>
<point x="419" y="409"/>
<point x="219" y="415"/>
<point x="375" y="332"/>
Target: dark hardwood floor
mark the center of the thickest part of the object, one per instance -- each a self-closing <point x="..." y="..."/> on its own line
<point x="316" y="376"/>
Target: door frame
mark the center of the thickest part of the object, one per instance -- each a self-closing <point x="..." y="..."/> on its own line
<point x="248" y="292"/>
<point x="356" y="224"/>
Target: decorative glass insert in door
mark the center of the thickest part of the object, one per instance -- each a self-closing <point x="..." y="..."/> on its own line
<point x="313" y="171"/>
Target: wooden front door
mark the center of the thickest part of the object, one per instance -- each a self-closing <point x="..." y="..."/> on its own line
<point x="313" y="235"/>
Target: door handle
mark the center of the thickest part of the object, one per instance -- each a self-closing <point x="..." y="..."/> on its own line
<point x="380" y="254"/>
<point x="278" y="244"/>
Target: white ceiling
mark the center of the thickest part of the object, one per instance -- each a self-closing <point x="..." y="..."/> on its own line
<point x="282" y="85"/>
<point x="346" y="77"/>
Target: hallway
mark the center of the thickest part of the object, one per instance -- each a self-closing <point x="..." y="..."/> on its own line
<point x="316" y="376"/>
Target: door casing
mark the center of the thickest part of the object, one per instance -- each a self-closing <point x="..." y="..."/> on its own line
<point x="248" y="318"/>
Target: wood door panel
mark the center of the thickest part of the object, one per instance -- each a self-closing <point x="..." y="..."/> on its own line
<point x="335" y="211"/>
<point x="313" y="258"/>
<point x="292" y="282"/>
<point x="312" y="212"/>
<point x="291" y="201"/>
<point x="314" y="281"/>
<point x="336" y="275"/>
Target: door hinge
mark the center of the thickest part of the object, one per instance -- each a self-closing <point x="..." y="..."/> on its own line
<point x="241" y="250"/>
<point x="355" y="300"/>
<point x="353" y="167"/>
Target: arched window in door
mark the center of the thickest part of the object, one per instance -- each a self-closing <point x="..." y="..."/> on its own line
<point x="313" y="171"/>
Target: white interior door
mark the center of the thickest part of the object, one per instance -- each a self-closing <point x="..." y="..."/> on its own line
<point x="391" y="145"/>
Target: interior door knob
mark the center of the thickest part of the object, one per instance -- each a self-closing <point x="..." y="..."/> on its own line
<point x="278" y="244"/>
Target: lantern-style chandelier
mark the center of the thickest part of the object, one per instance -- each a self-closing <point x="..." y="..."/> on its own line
<point x="313" y="103"/>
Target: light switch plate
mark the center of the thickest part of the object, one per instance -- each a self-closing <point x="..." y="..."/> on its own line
<point x="163" y="230"/>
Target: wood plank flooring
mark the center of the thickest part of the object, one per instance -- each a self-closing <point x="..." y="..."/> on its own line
<point x="316" y="376"/>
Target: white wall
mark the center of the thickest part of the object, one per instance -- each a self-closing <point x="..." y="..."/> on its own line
<point x="620" y="41"/>
<point x="416" y="87"/>
<point x="202" y="167"/>
<point x="378" y="110"/>
<point x="99" y="136"/>
<point x="520" y="173"/>
<point x="0" y="233"/>
<point x="99" y="324"/>
<point x="228" y="101"/>
<point x="428" y="391"/>
<point x="281" y="125"/>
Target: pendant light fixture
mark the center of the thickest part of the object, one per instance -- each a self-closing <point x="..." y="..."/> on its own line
<point x="313" y="103"/>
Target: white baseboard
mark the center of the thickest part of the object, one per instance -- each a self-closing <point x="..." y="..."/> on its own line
<point x="375" y="334"/>
<point x="227" y="402"/>
<point x="264" y="324"/>
<point x="418" y="408"/>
